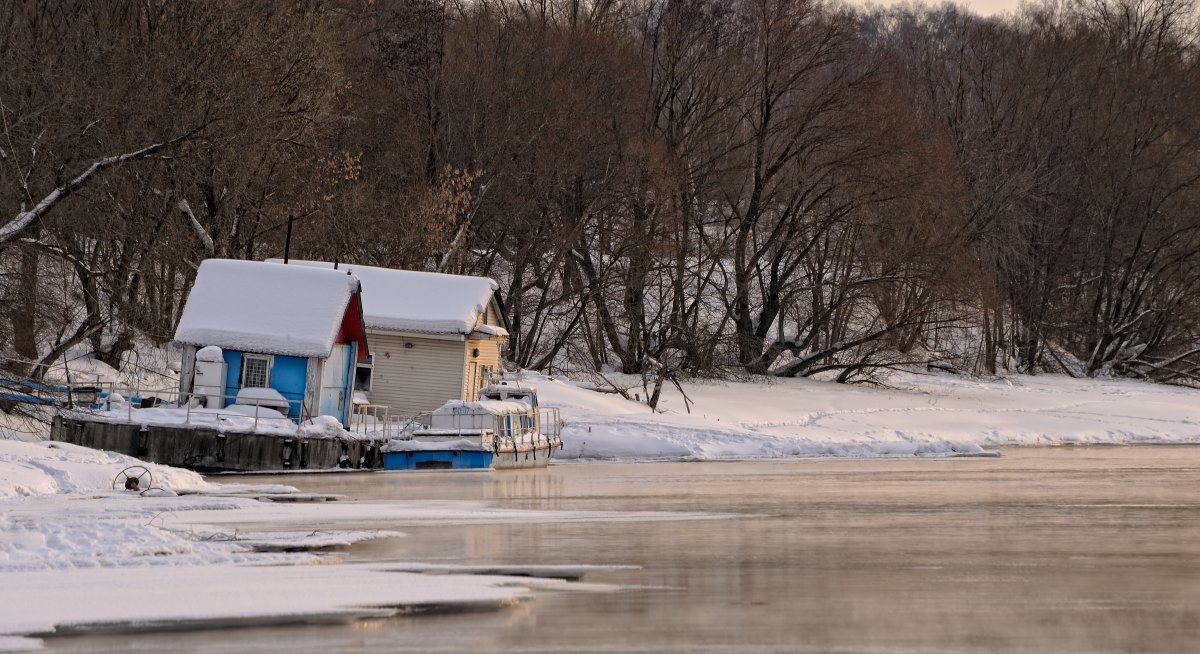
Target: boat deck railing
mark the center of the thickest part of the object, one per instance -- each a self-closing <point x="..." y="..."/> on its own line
<point x="536" y="427"/>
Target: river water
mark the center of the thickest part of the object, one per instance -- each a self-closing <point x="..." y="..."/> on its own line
<point x="1042" y="550"/>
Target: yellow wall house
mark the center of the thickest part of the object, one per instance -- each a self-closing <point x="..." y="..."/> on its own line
<point x="433" y="337"/>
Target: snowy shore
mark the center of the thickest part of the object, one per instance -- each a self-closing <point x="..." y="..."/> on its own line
<point x="937" y="414"/>
<point x="917" y="415"/>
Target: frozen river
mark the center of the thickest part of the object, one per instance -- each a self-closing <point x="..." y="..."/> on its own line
<point x="1043" y="550"/>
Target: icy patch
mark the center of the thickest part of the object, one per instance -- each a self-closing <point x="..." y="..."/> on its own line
<point x="563" y="572"/>
<point x="19" y="644"/>
<point x="105" y="599"/>
<point x="78" y="557"/>
<point x="294" y="541"/>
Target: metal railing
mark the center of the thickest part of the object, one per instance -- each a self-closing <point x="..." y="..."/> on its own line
<point x="377" y="420"/>
<point x="539" y="427"/>
<point x="97" y="398"/>
<point x="101" y="401"/>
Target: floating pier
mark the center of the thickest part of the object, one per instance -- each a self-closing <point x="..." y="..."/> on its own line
<point x="208" y="450"/>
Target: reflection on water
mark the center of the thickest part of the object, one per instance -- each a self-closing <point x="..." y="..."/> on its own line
<point x="1063" y="550"/>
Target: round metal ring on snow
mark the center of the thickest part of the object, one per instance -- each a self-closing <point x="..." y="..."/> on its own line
<point x="134" y="478"/>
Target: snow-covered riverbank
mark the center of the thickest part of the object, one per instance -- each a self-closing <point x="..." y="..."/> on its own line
<point x="47" y="468"/>
<point x="936" y="415"/>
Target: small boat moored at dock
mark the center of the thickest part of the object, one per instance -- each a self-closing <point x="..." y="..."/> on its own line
<point x="504" y="428"/>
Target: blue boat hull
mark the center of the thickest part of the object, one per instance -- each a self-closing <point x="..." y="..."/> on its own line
<point x="504" y="458"/>
<point x="436" y="459"/>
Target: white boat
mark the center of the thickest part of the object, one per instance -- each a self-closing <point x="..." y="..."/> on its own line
<point x="504" y="428"/>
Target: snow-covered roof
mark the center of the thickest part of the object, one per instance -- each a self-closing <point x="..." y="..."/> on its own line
<point x="270" y="308"/>
<point x="411" y="301"/>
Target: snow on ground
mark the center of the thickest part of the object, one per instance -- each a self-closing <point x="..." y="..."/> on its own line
<point x="44" y="467"/>
<point x="20" y="427"/>
<point x="921" y="415"/>
<point x="146" y="368"/>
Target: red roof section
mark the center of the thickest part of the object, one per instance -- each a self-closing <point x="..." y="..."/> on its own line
<point x="352" y="329"/>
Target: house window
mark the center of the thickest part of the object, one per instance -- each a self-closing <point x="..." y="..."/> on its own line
<point x="362" y="374"/>
<point x="256" y="371"/>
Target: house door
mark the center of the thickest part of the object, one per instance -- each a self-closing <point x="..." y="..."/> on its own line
<point x="472" y="382"/>
<point x="334" y="381"/>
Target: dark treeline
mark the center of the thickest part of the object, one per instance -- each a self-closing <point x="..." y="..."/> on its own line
<point x="661" y="187"/>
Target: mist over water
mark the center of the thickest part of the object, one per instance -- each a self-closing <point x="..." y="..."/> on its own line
<point x="1043" y="550"/>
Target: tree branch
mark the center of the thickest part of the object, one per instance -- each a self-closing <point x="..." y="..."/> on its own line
<point x="25" y="219"/>
<point x="201" y="233"/>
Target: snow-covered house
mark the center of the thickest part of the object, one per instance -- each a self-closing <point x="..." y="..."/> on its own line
<point x="293" y="329"/>
<point x="434" y="337"/>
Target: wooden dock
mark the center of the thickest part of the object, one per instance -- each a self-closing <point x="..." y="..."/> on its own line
<point x="207" y="450"/>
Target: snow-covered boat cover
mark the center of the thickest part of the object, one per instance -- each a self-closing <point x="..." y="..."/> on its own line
<point x="415" y="445"/>
<point x="491" y="407"/>
<point x="254" y="306"/>
<point x="424" y="302"/>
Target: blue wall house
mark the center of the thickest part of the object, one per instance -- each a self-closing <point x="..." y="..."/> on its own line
<point x="295" y="329"/>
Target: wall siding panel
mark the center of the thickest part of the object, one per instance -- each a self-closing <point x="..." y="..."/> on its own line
<point x="489" y="357"/>
<point x="418" y="379"/>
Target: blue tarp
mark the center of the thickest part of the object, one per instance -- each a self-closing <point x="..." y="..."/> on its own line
<point x="32" y="385"/>
<point x="29" y="391"/>
<point x="24" y="398"/>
